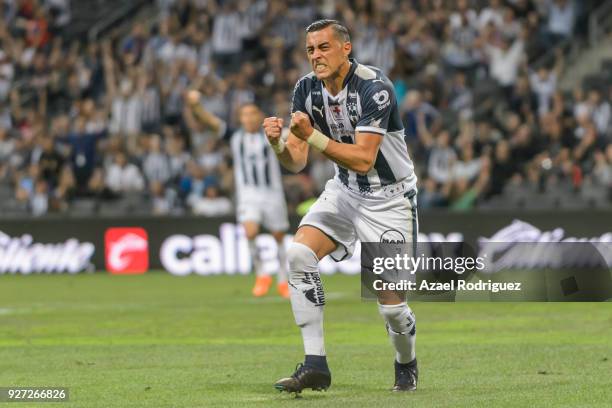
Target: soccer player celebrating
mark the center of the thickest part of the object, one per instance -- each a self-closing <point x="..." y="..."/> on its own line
<point x="349" y="112"/>
<point x="260" y="199"/>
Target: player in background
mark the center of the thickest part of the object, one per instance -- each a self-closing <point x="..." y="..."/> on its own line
<point x="349" y="112"/>
<point x="260" y="199"/>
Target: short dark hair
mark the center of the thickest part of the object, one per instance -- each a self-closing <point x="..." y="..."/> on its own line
<point x="340" y="31"/>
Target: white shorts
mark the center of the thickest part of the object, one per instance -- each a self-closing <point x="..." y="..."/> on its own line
<point x="346" y="217"/>
<point x="269" y="211"/>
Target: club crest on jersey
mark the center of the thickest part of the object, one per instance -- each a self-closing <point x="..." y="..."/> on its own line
<point x="351" y="107"/>
<point x="353" y="113"/>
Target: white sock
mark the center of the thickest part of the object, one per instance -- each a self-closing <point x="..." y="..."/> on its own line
<point x="401" y="326"/>
<point x="255" y="257"/>
<point x="282" y="261"/>
<point x="307" y="298"/>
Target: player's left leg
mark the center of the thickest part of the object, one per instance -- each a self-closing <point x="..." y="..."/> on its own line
<point x="263" y="281"/>
<point x="397" y="218"/>
<point x="275" y="220"/>
<point x="281" y="280"/>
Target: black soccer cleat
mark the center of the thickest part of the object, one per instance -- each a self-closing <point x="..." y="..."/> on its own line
<point x="406" y="376"/>
<point x="305" y="377"/>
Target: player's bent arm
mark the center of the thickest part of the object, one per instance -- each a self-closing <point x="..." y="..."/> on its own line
<point x="358" y="157"/>
<point x="295" y="154"/>
<point x="206" y="118"/>
<point x="201" y="115"/>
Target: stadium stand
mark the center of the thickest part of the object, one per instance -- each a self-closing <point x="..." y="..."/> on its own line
<point x="93" y="122"/>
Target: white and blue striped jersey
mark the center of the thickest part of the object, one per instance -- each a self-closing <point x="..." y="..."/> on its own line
<point x="366" y="103"/>
<point x="256" y="168"/>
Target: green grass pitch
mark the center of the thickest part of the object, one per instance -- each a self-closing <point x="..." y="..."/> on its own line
<point x="162" y="341"/>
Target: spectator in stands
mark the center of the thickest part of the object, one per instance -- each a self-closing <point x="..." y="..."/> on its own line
<point x="7" y="73"/>
<point x="523" y="145"/>
<point x="603" y="167"/>
<point x="599" y="110"/>
<point x="31" y="190"/>
<point x="492" y="14"/>
<point x="162" y="199"/>
<point x="59" y="11"/>
<point x="156" y="166"/>
<point x="193" y="183"/>
<point x="227" y="38"/>
<point x="420" y="118"/>
<point x="459" y="49"/>
<point x="505" y="56"/>
<point x="460" y="96"/>
<point x="543" y="82"/>
<point x="430" y="195"/>
<point x="212" y="204"/>
<point x="561" y="19"/>
<point x="7" y="146"/>
<point x="64" y="191"/>
<point x="50" y="161"/>
<point x="504" y="168"/>
<point x="126" y="114"/>
<point x="523" y="101"/>
<point x="178" y="157"/>
<point x="376" y="47"/>
<point x="124" y="177"/>
<point x="150" y="103"/>
<point x="39" y="200"/>
<point x="441" y="159"/>
<point x="83" y="151"/>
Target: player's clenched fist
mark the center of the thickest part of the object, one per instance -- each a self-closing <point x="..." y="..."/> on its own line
<point x="300" y="125"/>
<point x="192" y="97"/>
<point x="273" y="128"/>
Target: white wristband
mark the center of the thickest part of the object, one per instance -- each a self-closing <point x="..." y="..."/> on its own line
<point x="279" y="147"/>
<point x="318" y="140"/>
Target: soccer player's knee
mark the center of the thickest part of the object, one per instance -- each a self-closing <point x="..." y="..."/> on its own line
<point x="399" y="318"/>
<point x="301" y="259"/>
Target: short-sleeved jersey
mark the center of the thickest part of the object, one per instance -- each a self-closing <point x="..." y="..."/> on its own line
<point x="256" y="168"/>
<point x="366" y="103"/>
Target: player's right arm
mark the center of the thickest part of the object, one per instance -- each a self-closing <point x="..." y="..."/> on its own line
<point x="293" y="153"/>
<point x="204" y="117"/>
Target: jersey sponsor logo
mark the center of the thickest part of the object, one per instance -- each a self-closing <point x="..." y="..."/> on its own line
<point x="382" y="99"/>
<point x="341" y="133"/>
<point x="126" y="250"/>
<point x="375" y="123"/>
<point x="392" y="236"/>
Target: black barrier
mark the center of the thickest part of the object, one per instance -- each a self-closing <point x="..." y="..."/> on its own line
<point x="191" y="244"/>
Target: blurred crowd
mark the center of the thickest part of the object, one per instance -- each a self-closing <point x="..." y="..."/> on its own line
<point x="106" y="121"/>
